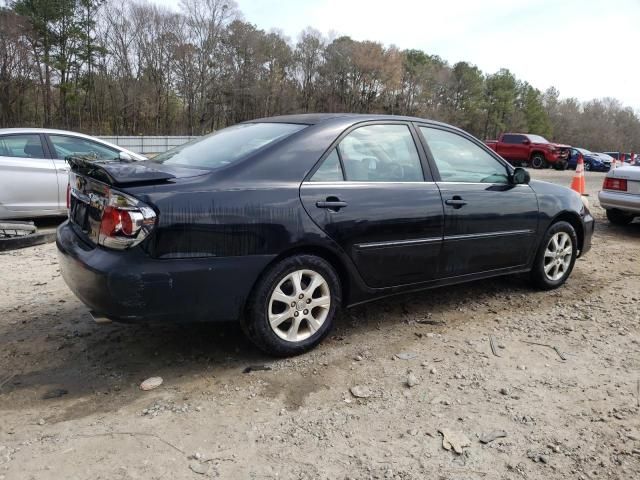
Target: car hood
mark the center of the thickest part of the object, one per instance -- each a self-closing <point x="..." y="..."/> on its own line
<point x="118" y="173"/>
<point x="559" y="145"/>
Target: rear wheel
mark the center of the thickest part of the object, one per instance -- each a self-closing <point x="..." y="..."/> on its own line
<point x="538" y="161"/>
<point x="556" y="256"/>
<point x="619" y="217"/>
<point x="293" y="306"/>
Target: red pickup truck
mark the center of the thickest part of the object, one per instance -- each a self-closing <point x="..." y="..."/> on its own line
<point x="534" y="150"/>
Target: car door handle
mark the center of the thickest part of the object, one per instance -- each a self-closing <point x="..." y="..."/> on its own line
<point x="455" y="202"/>
<point x="331" y="203"/>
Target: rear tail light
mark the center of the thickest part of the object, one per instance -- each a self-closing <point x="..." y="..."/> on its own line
<point x="125" y="222"/>
<point x="619" y="184"/>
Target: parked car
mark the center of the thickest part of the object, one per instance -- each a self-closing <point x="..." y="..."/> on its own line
<point x="34" y="173"/>
<point x="620" y="194"/>
<point x="279" y="222"/>
<point x="625" y="157"/>
<point x="592" y="161"/>
<point x="534" y="150"/>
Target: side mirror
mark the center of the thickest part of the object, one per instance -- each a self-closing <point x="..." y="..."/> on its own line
<point x="526" y="141"/>
<point x="520" y="176"/>
<point x="125" y="157"/>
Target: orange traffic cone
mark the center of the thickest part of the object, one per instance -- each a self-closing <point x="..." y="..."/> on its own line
<point x="577" y="183"/>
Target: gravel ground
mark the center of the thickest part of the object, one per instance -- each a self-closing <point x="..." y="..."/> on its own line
<point x="422" y="365"/>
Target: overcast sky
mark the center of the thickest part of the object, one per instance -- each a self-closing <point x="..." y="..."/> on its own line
<point x="585" y="48"/>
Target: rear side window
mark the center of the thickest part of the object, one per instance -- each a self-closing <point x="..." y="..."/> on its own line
<point x="330" y="170"/>
<point x="381" y="153"/>
<point x="228" y="145"/>
<point x="65" y="146"/>
<point x="21" y="146"/>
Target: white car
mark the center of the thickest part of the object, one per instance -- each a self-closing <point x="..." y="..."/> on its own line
<point x="620" y="194"/>
<point x="34" y="173"/>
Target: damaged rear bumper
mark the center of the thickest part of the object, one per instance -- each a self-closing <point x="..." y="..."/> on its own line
<point x="129" y="286"/>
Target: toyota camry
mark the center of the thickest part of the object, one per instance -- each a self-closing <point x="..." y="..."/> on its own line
<point x="280" y="222"/>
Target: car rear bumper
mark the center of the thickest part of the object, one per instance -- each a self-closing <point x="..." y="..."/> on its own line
<point x="621" y="201"/>
<point x="129" y="286"/>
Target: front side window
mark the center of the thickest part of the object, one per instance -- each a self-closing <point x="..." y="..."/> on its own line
<point x="21" y="146"/>
<point x="460" y="160"/>
<point x="513" y="139"/>
<point x="66" y="146"/>
<point x="381" y="153"/>
<point x="227" y="146"/>
<point x="330" y="170"/>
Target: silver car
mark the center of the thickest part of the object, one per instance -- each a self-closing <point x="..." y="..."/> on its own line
<point x="34" y="174"/>
<point x="620" y="194"/>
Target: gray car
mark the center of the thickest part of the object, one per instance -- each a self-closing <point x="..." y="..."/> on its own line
<point x="34" y="173"/>
<point x="620" y="194"/>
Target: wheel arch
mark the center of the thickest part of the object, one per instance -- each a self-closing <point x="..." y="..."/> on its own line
<point x="573" y="219"/>
<point x="535" y="152"/>
<point x="326" y="254"/>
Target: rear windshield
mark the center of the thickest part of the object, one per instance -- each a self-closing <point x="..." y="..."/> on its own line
<point x="228" y="145"/>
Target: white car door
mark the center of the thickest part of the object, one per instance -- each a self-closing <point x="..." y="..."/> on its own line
<point x="64" y="145"/>
<point x="28" y="179"/>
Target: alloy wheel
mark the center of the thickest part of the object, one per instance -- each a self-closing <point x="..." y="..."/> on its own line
<point x="299" y="305"/>
<point x="557" y="256"/>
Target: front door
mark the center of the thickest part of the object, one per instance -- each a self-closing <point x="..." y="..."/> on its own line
<point x="490" y="223"/>
<point x="28" y="178"/>
<point x="369" y="194"/>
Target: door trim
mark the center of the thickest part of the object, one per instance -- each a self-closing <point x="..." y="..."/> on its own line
<point x="398" y="243"/>
<point x="504" y="233"/>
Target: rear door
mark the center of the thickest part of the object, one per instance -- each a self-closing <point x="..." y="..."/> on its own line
<point x="28" y="179"/>
<point x="373" y="194"/>
<point x="489" y="223"/>
<point x="62" y="146"/>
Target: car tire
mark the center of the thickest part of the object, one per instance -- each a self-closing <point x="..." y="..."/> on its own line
<point x="556" y="256"/>
<point x="561" y="165"/>
<point x="290" y="328"/>
<point x="538" y="161"/>
<point x="618" y="217"/>
<point x="587" y="166"/>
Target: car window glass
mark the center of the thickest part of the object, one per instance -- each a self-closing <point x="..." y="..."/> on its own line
<point x="228" y="145"/>
<point x="460" y="160"/>
<point x="22" y="146"/>
<point x="65" y="146"/>
<point x="512" y="139"/>
<point x="330" y="170"/>
<point x="381" y="153"/>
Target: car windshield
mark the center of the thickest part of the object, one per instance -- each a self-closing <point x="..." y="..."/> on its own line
<point x="228" y="145"/>
<point x="537" y="139"/>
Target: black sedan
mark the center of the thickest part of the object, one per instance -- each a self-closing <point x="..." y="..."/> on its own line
<point x="280" y="222"/>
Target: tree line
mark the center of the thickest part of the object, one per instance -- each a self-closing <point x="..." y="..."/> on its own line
<point x="133" y="68"/>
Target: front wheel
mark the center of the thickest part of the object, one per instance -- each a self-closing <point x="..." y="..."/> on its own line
<point x="538" y="161"/>
<point x="293" y="306"/>
<point x="556" y="256"/>
<point x="587" y="166"/>
<point x="618" y="217"/>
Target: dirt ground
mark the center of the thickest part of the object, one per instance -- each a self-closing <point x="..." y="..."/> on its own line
<point x="71" y="406"/>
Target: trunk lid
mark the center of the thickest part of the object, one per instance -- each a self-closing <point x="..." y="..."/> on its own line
<point x="118" y="173"/>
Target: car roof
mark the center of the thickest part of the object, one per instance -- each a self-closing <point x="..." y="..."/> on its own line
<point x="318" y="118"/>
<point x="42" y="130"/>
